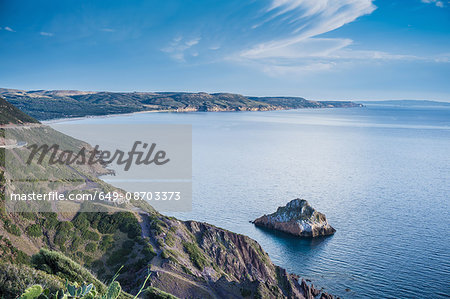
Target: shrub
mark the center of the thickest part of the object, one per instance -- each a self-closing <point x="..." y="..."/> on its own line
<point x="22" y="258"/>
<point x="50" y="222"/>
<point x="63" y="233"/>
<point x="148" y="252"/>
<point x="165" y="254"/>
<point x="28" y="215"/>
<point x="90" y="235"/>
<point x="128" y="244"/>
<point x="81" y="221"/>
<point x="76" y="242"/>
<point x="11" y="227"/>
<point x="106" y="243"/>
<point x="91" y="247"/>
<point x="118" y="256"/>
<point x="170" y="240"/>
<point x="195" y="255"/>
<point x="34" y="230"/>
<point x="14" y="279"/>
<point x="54" y="262"/>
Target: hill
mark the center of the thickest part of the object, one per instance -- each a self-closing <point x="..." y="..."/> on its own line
<point x="44" y="105"/>
<point x="9" y="114"/>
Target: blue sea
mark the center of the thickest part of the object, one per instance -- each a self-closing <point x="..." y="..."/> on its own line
<point x="381" y="175"/>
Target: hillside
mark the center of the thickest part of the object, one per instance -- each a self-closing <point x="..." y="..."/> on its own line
<point x="9" y="114"/>
<point x="185" y="258"/>
<point x="44" y="105"/>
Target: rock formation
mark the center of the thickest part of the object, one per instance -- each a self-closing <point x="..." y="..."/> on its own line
<point x="297" y="218"/>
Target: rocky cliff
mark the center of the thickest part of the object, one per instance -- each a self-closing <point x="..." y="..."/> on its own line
<point x="297" y="218"/>
<point x="195" y="259"/>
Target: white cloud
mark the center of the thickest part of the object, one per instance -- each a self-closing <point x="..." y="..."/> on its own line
<point x="8" y="29"/>
<point x="178" y="46"/>
<point x="45" y="33"/>
<point x="192" y="42"/>
<point x="214" y="48"/>
<point x="435" y="2"/>
<point x="308" y="47"/>
<point x="302" y="49"/>
<point x="108" y="30"/>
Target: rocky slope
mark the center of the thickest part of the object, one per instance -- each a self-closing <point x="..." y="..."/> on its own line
<point x="43" y="104"/>
<point x="297" y="218"/>
<point x="209" y="262"/>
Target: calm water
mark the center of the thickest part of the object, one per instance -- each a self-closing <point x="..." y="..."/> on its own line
<point x="380" y="174"/>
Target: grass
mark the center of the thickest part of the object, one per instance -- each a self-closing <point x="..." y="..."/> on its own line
<point x="195" y="255"/>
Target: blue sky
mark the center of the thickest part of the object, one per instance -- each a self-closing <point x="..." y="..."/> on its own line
<point x="318" y="49"/>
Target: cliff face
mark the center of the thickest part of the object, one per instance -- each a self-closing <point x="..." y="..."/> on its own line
<point x="200" y="260"/>
<point x="297" y="218"/>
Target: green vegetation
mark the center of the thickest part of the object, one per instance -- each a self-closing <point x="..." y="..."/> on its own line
<point x="91" y="247"/>
<point x="34" y="230"/>
<point x="195" y="254"/>
<point x="15" y="278"/>
<point x="9" y="253"/>
<point x="107" y="242"/>
<point x="29" y="282"/>
<point x="148" y="252"/>
<point x="53" y="104"/>
<point x="10" y="114"/>
<point x="108" y="223"/>
<point x="11" y="227"/>
<point x="56" y="263"/>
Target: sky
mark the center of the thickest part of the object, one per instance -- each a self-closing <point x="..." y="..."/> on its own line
<point x="317" y="49"/>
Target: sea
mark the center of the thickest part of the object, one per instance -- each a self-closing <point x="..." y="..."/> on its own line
<point x="380" y="173"/>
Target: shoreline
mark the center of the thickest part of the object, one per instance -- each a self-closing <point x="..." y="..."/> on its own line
<point x="65" y="119"/>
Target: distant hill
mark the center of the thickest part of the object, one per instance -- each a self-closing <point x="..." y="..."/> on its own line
<point x="43" y="104"/>
<point x="407" y="103"/>
<point x="10" y="114"/>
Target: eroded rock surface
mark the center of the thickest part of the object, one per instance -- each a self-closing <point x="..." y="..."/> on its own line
<point x="297" y="218"/>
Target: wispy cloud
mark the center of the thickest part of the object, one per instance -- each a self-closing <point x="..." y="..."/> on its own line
<point x="43" y="33"/>
<point x="435" y="2"/>
<point x="8" y="29"/>
<point x="214" y="48"/>
<point x="107" y="30"/>
<point x="307" y="19"/>
<point x="178" y="47"/>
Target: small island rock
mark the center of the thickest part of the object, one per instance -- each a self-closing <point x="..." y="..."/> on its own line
<point x="297" y="218"/>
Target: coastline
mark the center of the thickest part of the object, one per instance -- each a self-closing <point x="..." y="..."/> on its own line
<point x="64" y="119"/>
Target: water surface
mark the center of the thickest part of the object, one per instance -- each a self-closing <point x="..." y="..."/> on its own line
<point x="380" y="174"/>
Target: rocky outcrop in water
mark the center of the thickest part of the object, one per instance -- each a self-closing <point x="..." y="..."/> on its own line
<point x="297" y="218"/>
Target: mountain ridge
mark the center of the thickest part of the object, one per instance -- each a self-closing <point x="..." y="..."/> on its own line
<point x="53" y="104"/>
